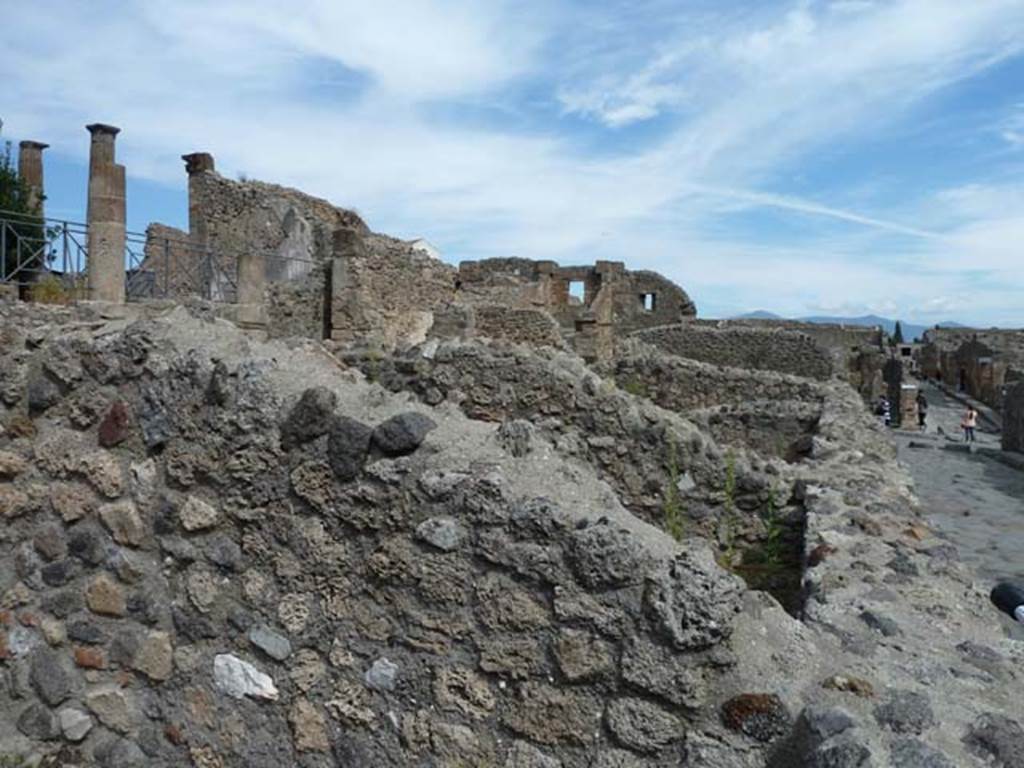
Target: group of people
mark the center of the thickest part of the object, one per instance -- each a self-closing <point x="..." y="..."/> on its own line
<point x="968" y="423"/>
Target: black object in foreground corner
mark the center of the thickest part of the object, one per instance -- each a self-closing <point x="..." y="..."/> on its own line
<point x="1009" y="598"/>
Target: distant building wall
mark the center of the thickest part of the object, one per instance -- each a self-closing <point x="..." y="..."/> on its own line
<point x="981" y="363"/>
<point x="592" y="304"/>
<point x="1013" y="418"/>
<point x="857" y="352"/>
<point x="766" y="349"/>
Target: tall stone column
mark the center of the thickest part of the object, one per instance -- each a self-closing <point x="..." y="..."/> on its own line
<point x="30" y="170"/>
<point x="106" y="217"/>
<point x="196" y="164"/>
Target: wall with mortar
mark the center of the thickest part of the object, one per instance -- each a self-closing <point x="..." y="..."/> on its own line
<point x="499" y="323"/>
<point x="753" y="348"/>
<point x="384" y="291"/>
<point x="614" y="300"/>
<point x="1013" y="419"/>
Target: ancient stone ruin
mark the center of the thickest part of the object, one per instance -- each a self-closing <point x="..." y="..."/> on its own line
<point x="328" y="501"/>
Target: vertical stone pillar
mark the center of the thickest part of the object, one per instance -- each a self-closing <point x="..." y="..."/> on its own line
<point x="196" y="164"/>
<point x="30" y="170"/>
<point x="106" y="217"/>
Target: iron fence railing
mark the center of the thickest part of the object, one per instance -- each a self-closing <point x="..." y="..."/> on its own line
<point x="157" y="266"/>
<point x="33" y="247"/>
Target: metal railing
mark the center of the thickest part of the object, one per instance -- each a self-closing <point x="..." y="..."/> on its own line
<point x="165" y="267"/>
<point x="33" y="247"/>
<point x="157" y="266"/>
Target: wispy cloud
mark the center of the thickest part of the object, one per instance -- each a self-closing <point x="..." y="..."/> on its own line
<point x="640" y="130"/>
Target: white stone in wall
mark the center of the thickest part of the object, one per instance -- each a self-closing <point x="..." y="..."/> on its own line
<point x="239" y="679"/>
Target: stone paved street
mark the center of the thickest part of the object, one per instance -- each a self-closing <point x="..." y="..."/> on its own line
<point x="970" y="499"/>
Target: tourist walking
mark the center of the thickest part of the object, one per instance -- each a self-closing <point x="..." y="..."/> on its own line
<point x="883" y="410"/>
<point x="922" y="410"/>
<point x="969" y="422"/>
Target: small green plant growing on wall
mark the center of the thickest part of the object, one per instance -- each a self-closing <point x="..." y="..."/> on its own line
<point x="634" y="386"/>
<point x="672" y="505"/>
<point x="729" y="520"/>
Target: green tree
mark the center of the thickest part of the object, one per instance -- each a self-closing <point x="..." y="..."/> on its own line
<point x="897" y="334"/>
<point x="19" y="217"/>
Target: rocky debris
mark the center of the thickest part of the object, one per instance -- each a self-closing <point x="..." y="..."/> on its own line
<point x="403" y="433"/>
<point x="238" y="679"/>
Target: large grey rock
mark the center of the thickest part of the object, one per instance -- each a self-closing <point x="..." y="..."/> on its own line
<point x="49" y="677"/>
<point x="381" y="676"/>
<point x="348" y="444"/>
<point x="38" y="722"/>
<point x="74" y="723"/>
<point x="239" y="679"/>
<point x="118" y="752"/>
<point x="402" y="434"/>
<point x="911" y="753"/>
<point x="445" y="533"/>
<point x="272" y="643"/>
<point x="905" y="712"/>
<point x="998" y="739"/>
<point x="309" y="418"/>
<point x="642" y="726"/>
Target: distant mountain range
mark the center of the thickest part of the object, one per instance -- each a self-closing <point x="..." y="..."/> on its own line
<point x="911" y="331"/>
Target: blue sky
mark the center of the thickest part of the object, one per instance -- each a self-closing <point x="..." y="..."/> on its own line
<point x="801" y="156"/>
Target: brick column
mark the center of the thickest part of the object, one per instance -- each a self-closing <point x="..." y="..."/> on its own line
<point x="30" y="170"/>
<point x="106" y="217"/>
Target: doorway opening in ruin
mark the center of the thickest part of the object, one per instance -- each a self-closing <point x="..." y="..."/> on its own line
<point x="577" y="292"/>
<point x="648" y="301"/>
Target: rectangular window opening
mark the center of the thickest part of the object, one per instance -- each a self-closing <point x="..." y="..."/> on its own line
<point x="647" y="301"/>
<point x="577" y="290"/>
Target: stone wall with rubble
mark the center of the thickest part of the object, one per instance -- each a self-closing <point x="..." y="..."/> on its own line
<point x="497" y="322"/>
<point x="202" y="567"/>
<point x="773" y="414"/>
<point x="627" y="438"/>
<point x="858" y="352"/>
<point x="204" y="562"/>
<point x="384" y="292"/>
<point x="546" y="285"/>
<point x="241" y="217"/>
<point x="778" y="350"/>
